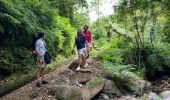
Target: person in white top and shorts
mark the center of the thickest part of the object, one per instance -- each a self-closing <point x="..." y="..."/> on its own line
<point x="40" y="50"/>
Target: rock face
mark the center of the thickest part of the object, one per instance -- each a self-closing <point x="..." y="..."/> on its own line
<point x="111" y="88"/>
<point x="66" y="92"/>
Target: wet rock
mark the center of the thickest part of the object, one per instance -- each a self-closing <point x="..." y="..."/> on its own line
<point x="66" y="92"/>
<point x="165" y="95"/>
<point x="111" y="88"/>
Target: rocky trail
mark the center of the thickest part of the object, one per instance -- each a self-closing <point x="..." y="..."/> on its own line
<point x="90" y="83"/>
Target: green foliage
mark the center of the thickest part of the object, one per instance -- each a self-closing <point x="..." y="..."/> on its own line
<point x="143" y="36"/>
<point x="19" y="23"/>
<point x="66" y="8"/>
<point x="80" y="19"/>
<point x="21" y="20"/>
<point x="112" y="55"/>
<point x="116" y="69"/>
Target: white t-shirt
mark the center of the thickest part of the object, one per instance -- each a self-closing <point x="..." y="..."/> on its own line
<point x="40" y="47"/>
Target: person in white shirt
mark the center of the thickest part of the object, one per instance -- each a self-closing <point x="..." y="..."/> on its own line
<point x="40" y="49"/>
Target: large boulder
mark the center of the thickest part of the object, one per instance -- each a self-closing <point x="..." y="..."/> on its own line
<point x="92" y="88"/>
<point x="66" y="92"/>
<point x="111" y="88"/>
<point x="154" y="96"/>
<point x="134" y="83"/>
<point x="165" y="95"/>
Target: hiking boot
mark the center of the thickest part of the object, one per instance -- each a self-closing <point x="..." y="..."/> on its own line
<point x="38" y="84"/>
<point x="44" y="82"/>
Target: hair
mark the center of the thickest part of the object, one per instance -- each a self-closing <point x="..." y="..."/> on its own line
<point x="40" y="35"/>
<point x="86" y="26"/>
<point x="79" y="32"/>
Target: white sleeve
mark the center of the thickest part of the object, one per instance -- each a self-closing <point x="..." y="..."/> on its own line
<point x="40" y="48"/>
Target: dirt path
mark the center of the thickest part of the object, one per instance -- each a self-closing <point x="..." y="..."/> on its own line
<point x="72" y="77"/>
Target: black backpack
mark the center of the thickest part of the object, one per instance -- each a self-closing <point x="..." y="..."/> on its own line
<point x="47" y="57"/>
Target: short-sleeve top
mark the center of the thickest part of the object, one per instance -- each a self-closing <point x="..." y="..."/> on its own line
<point x="80" y="42"/>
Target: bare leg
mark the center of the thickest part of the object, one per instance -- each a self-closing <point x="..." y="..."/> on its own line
<point x="38" y="77"/>
<point x="38" y="73"/>
<point x="79" y="62"/>
<point x="88" y="51"/>
<point x="85" y="61"/>
<point x="42" y="74"/>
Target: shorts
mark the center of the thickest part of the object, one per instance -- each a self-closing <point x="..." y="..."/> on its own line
<point x="81" y="51"/>
<point x="89" y="45"/>
<point x="39" y="64"/>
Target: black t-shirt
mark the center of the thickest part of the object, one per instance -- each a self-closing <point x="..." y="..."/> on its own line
<point x="80" y="42"/>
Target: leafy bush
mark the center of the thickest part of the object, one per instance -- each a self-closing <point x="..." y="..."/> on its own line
<point x="115" y="68"/>
<point x="21" y="20"/>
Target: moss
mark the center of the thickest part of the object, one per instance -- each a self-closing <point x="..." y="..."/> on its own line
<point x="97" y="82"/>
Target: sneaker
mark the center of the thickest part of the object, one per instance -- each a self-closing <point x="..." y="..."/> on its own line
<point x="78" y="68"/>
<point x="86" y="65"/>
<point x="44" y="82"/>
<point x="38" y="84"/>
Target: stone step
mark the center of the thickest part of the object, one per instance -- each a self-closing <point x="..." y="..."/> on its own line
<point x="84" y="70"/>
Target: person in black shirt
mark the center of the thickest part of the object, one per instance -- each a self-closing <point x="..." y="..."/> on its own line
<point x="80" y="42"/>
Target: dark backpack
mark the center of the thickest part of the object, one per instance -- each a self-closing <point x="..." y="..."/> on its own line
<point x="47" y="57"/>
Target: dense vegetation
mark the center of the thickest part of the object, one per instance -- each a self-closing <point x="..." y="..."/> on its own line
<point x="19" y="23"/>
<point x="137" y="35"/>
<point x="21" y="20"/>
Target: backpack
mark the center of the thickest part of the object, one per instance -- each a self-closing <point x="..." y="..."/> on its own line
<point x="47" y="57"/>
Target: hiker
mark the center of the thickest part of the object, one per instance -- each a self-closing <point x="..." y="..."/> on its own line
<point x="80" y="42"/>
<point x="88" y="36"/>
<point x="40" y="50"/>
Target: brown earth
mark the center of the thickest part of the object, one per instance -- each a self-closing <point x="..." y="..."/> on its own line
<point x="61" y="75"/>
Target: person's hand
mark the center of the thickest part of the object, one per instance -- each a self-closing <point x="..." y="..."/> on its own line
<point x="35" y="53"/>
